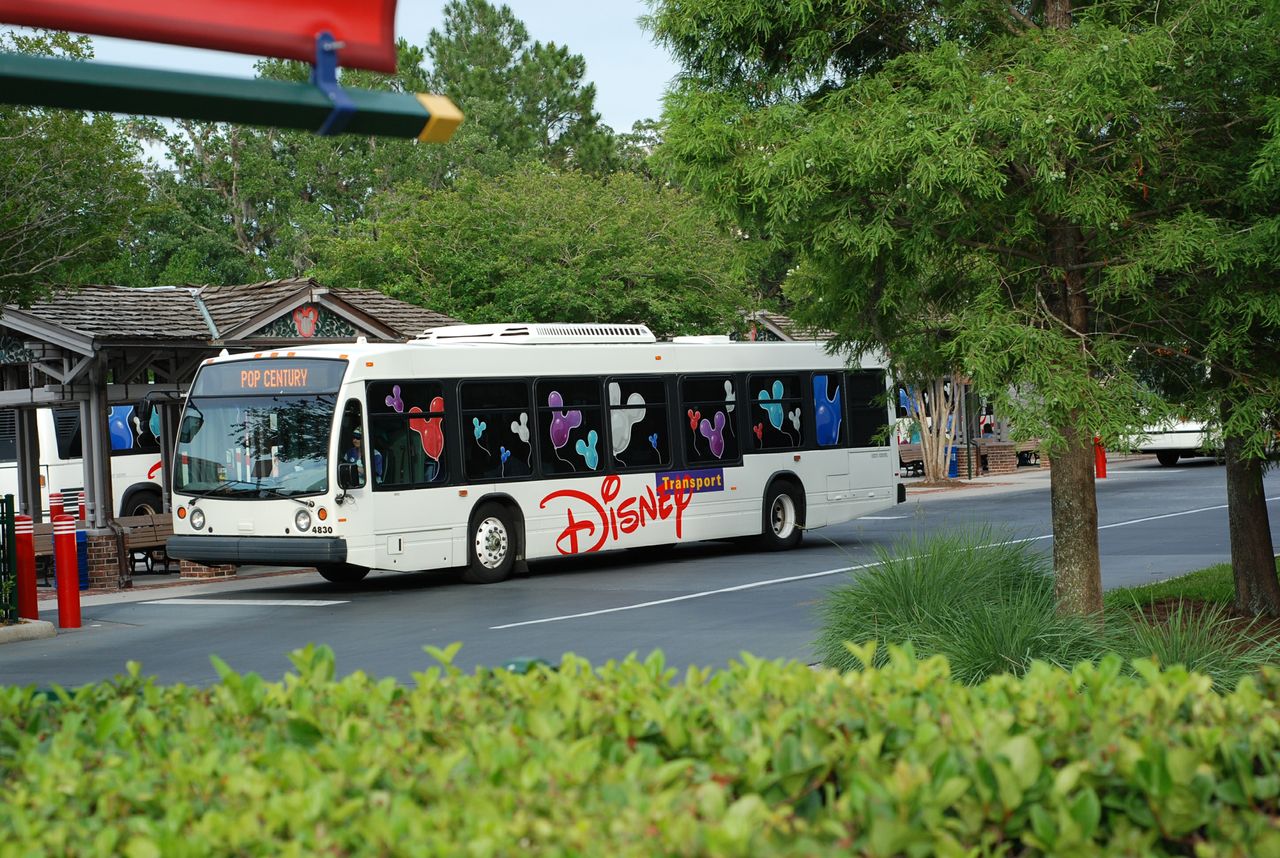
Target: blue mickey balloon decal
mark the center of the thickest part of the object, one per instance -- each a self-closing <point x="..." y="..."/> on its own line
<point x="118" y="426"/>
<point x="154" y="423"/>
<point x="827" y="412"/>
<point x="773" y="409"/>
<point x="504" y="453"/>
<point x="587" y="449"/>
<point x="479" y="427"/>
<point x="653" y="440"/>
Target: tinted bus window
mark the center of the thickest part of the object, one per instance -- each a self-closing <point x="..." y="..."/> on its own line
<point x="638" y="434"/>
<point x="776" y="419"/>
<point x="570" y="426"/>
<point x="708" y="404"/>
<point x="497" y="443"/>
<point x="868" y="408"/>
<point x="407" y="425"/>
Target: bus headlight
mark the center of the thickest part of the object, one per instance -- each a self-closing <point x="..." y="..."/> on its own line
<point x="302" y="520"/>
<point x="197" y="519"/>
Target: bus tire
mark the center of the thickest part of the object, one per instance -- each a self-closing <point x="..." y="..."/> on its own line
<point x="1168" y="458"/>
<point x="491" y="545"/>
<point x="143" y="502"/>
<point x="783" y="517"/>
<point x="343" y="573"/>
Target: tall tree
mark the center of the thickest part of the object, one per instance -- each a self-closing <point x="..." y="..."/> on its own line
<point x="531" y="98"/>
<point x="70" y="180"/>
<point x="536" y="244"/>
<point x="1000" y="163"/>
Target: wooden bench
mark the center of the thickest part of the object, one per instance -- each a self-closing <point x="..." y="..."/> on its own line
<point x="44" y="551"/>
<point x="911" y="458"/>
<point x="143" y="537"/>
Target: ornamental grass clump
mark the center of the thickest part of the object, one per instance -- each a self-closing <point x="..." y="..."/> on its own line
<point x="984" y="602"/>
<point x="1207" y="640"/>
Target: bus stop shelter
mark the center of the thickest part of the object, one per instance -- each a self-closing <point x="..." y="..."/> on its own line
<point x="99" y="346"/>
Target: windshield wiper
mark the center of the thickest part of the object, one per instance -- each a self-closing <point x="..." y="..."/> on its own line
<point x="276" y="493"/>
<point x="224" y="484"/>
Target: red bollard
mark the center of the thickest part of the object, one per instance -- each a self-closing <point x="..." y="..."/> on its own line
<point x="67" y="571"/>
<point x="1099" y="459"/>
<point x="55" y="505"/>
<point x="24" y="533"/>
<point x="80" y="505"/>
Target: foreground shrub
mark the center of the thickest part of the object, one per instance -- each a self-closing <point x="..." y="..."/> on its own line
<point x="985" y="603"/>
<point x="763" y="759"/>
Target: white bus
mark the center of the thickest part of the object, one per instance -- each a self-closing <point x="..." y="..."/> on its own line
<point x="135" y="457"/>
<point x="1177" y="439"/>
<point x="484" y="446"/>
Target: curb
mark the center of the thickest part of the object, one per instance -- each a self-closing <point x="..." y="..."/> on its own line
<point x="27" y="630"/>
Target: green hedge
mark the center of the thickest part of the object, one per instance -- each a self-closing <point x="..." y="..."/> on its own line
<point x="633" y="759"/>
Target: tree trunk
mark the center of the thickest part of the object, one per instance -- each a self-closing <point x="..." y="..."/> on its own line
<point x="935" y="411"/>
<point x="1253" y="562"/>
<point x="1077" y="583"/>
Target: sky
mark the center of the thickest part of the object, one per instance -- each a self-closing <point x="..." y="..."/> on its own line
<point x="630" y="72"/>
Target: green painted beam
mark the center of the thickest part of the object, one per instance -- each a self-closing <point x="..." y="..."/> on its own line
<point x="50" y="82"/>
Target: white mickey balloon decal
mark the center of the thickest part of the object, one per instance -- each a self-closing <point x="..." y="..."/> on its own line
<point x="521" y="427"/>
<point x="621" y="420"/>
<point x="729" y="398"/>
<point x="795" y="418"/>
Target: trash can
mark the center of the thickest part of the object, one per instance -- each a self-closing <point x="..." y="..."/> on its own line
<point x="953" y="463"/>
<point x="82" y="556"/>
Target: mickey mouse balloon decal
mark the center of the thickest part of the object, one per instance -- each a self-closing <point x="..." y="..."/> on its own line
<point x="621" y="420"/>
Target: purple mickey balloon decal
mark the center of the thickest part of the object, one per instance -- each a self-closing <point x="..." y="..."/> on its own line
<point x="714" y="433"/>
<point x="562" y="422"/>
<point x="395" y="401"/>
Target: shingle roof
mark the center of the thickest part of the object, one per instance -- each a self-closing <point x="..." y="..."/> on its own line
<point x="408" y="319"/>
<point x="120" y="312"/>
<point x="789" y="327"/>
<point x="172" y="313"/>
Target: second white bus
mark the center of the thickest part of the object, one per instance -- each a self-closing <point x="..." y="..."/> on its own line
<point x="484" y="446"/>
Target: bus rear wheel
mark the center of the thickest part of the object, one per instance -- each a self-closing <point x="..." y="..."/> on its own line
<point x="343" y="573"/>
<point x="783" y="517"/>
<point x="1168" y="458"/>
<point x="491" y="545"/>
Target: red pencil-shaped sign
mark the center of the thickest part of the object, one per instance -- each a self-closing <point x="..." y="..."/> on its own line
<point x="286" y="29"/>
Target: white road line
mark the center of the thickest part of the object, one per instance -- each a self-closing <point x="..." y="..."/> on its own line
<point x="258" y="603"/>
<point x="772" y="581"/>
<point x="881" y="517"/>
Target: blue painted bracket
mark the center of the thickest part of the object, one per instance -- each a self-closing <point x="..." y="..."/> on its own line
<point x="324" y="74"/>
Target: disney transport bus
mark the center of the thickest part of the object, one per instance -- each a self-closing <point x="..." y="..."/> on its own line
<point x="482" y="446"/>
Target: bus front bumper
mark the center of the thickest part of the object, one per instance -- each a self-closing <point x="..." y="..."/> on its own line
<point x="265" y="550"/>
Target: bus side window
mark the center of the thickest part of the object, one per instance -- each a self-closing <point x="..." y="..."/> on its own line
<point x="777" y="419"/>
<point x="638" y="435"/>
<point x="868" y="408"/>
<point x="408" y="423"/>
<point x="351" y="447"/>
<point x="570" y="429"/>
<point x="497" y="427"/>
<point x="709" y="423"/>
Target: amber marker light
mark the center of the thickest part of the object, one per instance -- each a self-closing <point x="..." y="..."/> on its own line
<point x="182" y="512"/>
<point x="322" y="514"/>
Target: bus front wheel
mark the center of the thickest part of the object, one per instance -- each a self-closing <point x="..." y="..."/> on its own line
<point x="491" y="551"/>
<point x="343" y="573"/>
<point x="783" y="517"/>
<point x="1168" y="458"/>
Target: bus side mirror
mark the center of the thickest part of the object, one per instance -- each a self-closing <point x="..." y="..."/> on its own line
<point x="348" y="475"/>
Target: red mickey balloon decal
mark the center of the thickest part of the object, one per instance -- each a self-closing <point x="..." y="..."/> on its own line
<point x="429" y="430"/>
<point x="759" y="430"/>
<point x="694" y="417"/>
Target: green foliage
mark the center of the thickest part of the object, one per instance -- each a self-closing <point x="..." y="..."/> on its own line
<point x="763" y="758"/>
<point x="69" y="180"/>
<point x="541" y="245"/>
<point x="983" y="602"/>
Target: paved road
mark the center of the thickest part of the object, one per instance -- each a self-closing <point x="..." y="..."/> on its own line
<point x="701" y="604"/>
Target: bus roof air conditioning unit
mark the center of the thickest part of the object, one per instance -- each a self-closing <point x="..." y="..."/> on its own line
<point x="539" y="334"/>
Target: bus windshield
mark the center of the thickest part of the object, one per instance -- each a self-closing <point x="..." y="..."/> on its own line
<point x="258" y="429"/>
